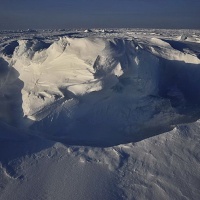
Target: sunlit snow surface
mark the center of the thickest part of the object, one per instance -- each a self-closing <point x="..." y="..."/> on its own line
<point x="100" y="114"/>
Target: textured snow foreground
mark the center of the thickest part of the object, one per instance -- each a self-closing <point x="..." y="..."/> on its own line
<point x="100" y="114"/>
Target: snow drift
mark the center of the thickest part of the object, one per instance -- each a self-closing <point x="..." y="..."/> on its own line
<point x="97" y="91"/>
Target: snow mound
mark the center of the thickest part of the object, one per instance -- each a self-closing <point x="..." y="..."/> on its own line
<point x="97" y="91"/>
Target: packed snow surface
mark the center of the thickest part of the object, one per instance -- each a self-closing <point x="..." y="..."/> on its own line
<point x="100" y="114"/>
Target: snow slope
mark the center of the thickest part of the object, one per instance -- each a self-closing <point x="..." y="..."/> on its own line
<point x="98" y="114"/>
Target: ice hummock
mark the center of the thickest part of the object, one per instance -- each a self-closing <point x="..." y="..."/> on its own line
<point x="119" y="109"/>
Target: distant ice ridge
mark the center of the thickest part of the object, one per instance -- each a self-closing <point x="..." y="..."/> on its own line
<point x="89" y="90"/>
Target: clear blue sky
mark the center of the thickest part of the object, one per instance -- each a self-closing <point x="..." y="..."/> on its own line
<point x="44" y="14"/>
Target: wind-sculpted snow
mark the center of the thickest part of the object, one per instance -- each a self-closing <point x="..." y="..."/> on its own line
<point x="99" y="114"/>
<point x="102" y="91"/>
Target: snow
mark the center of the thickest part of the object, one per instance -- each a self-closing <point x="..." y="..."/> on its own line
<point x="99" y="114"/>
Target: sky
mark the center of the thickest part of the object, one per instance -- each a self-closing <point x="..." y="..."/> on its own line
<point x="56" y="14"/>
